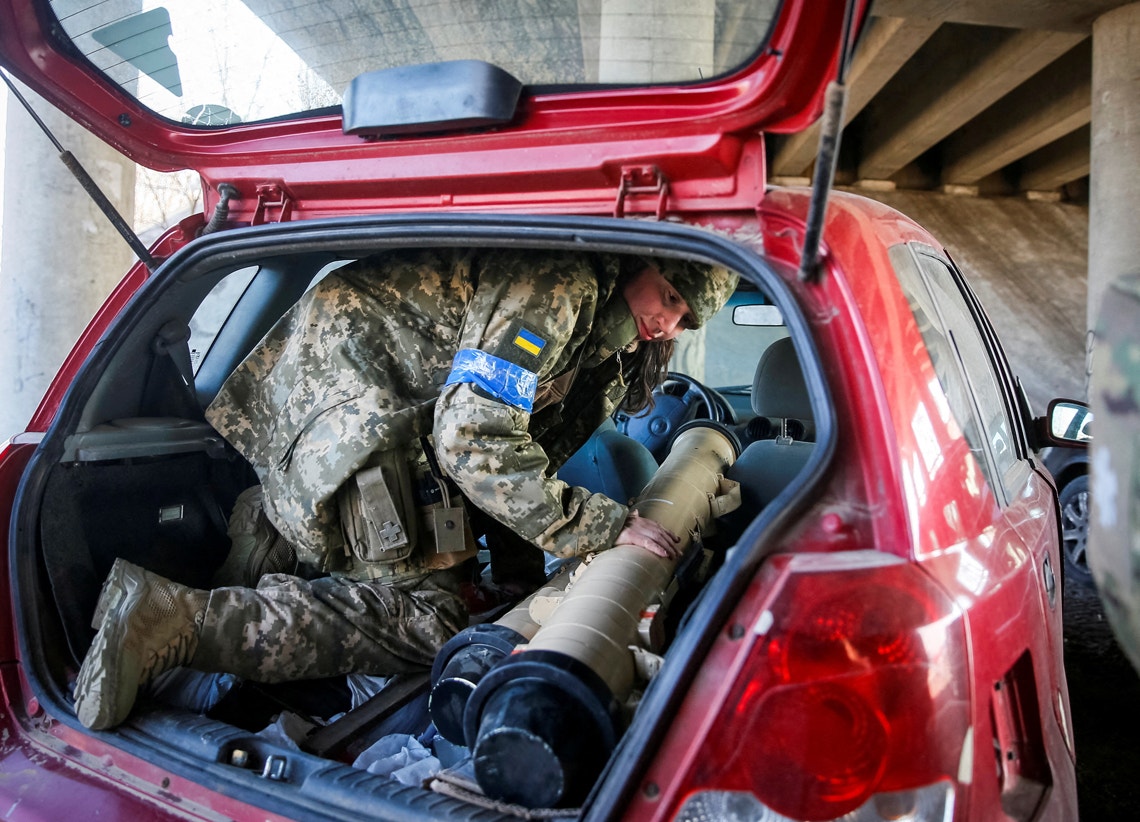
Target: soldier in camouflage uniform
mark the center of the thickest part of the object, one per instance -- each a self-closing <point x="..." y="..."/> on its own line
<point x="1114" y="527"/>
<point x="501" y="362"/>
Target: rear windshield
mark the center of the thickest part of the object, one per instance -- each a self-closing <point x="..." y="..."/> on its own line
<point x="214" y="63"/>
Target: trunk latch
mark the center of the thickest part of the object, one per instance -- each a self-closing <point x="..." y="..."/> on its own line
<point x="274" y="204"/>
<point x="642" y="181"/>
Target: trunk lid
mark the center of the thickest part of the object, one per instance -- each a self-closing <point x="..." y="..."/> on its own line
<point x="317" y="109"/>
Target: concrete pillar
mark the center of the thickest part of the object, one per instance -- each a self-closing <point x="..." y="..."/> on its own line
<point x="1114" y="197"/>
<point x="61" y="256"/>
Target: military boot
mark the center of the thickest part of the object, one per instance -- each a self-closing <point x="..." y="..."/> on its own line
<point x="256" y="548"/>
<point x="146" y="625"/>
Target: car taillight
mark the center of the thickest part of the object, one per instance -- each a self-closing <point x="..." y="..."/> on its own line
<point x="853" y="696"/>
<point x="933" y="803"/>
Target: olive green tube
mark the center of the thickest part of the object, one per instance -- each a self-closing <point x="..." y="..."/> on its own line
<point x="543" y="722"/>
<point x="598" y="618"/>
<point x="520" y="618"/>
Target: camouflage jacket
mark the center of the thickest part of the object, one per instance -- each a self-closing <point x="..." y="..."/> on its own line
<point x="1114" y="516"/>
<point x="359" y="365"/>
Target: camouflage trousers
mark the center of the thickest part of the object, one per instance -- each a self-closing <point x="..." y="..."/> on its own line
<point x="288" y="628"/>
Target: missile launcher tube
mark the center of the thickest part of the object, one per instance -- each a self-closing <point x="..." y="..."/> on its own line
<point x="579" y="660"/>
<point x="467" y="657"/>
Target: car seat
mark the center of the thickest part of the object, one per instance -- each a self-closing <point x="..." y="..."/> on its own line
<point x="610" y="463"/>
<point x="767" y="466"/>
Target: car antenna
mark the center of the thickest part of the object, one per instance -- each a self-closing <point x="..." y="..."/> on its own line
<point x="89" y="185"/>
<point x="827" y="158"/>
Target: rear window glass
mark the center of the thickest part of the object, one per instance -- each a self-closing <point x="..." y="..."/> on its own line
<point x="214" y="311"/>
<point x="215" y="63"/>
<point x="724" y="354"/>
<point x="961" y="361"/>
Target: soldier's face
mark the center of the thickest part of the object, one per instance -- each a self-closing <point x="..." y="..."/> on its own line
<point x="660" y="311"/>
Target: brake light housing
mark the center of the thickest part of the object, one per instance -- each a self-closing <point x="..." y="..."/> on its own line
<point x="850" y="690"/>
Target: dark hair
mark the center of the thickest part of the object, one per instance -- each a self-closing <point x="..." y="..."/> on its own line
<point x="644" y="369"/>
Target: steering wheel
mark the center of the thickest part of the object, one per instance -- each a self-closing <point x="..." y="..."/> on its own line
<point x="676" y="401"/>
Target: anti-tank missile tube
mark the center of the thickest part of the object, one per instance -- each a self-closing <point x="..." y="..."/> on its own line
<point x="542" y="722"/>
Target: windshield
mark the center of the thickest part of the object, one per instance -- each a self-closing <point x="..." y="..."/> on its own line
<point x="214" y="63"/>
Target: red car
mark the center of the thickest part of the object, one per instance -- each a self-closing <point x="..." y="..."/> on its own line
<point x="874" y="633"/>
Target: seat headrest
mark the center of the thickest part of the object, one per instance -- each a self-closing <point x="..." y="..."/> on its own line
<point x="778" y="389"/>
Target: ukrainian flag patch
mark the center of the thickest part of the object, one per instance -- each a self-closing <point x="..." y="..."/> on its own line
<point x="529" y="342"/>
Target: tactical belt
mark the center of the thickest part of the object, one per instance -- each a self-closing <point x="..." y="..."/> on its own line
<point x="395" y="521"/>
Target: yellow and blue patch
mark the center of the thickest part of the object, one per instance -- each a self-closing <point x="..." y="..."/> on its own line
<point x="529" y="342"/>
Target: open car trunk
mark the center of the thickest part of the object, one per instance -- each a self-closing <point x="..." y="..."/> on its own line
<point x="132" y="470"/>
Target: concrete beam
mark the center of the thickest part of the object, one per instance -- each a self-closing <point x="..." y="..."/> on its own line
<point x="1051" y="15"/>
<point x="887" y="45"/>
<point x="1060" y="162"/>
<point x="965" y="82"/>
<point x="1052" y="104"/>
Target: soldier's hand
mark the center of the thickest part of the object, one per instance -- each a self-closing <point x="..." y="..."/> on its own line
<point x="648" y="534"/>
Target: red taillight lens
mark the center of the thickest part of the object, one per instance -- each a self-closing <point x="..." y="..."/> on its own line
<point x="854" y="685"/>
<point x="827" y="632"/>
<point x="833" y="739"/>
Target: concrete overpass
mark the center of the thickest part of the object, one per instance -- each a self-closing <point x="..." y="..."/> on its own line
<point x="1011" y="129"/>
<point x="970" y="97"/>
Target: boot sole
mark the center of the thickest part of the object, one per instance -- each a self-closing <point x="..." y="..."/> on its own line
<point x="104" y="603"/>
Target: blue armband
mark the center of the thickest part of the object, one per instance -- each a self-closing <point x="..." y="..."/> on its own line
<point x="503" y="380"/>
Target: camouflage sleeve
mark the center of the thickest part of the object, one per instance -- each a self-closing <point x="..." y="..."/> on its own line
<point x="484" y="446"/>
<point x="534" y="312"/>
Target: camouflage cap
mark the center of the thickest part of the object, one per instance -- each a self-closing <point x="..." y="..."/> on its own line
<point x="705" y="287"/>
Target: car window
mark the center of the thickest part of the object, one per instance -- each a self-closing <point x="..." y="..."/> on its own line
<point x="214" y="311"/>
<point x="961" y="361"/>
<point x="724" y="353"/>
<point x="976" y="361"/>
<point x="215" y="63"/>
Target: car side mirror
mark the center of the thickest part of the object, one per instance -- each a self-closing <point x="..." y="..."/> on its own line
<point x="1067" y="422"/>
